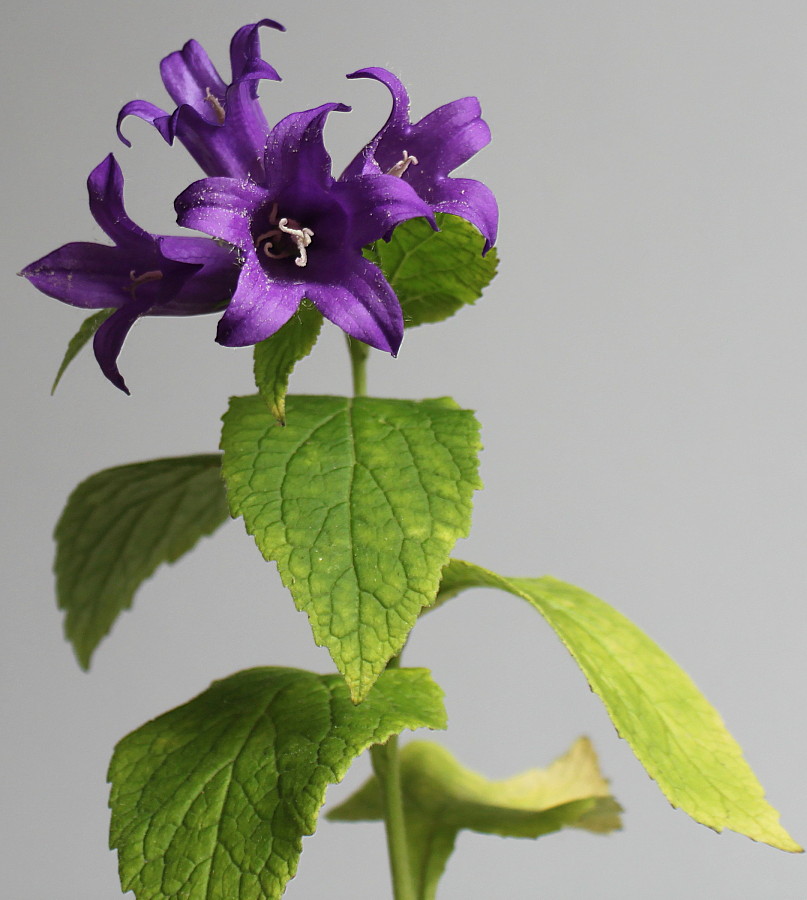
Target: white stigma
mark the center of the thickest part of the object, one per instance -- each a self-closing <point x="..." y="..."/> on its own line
<point x="302" y="238"/>
<point x="403" y="164"/>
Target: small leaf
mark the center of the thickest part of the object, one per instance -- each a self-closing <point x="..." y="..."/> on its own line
<point x="441" y="798"/>
<point x="211" y="800"/>
<point x="277" y="355"/>
<point x="88" y="328"/>
<point x="676" y="734"/>
<point x="116" y="529"/>
<point x="359" y="501"/>
<point x="434" y="273"/>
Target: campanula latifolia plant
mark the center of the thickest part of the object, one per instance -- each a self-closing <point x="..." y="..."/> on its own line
<point x="357" y="500"/>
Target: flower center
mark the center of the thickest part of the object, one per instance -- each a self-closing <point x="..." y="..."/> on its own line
<point x="215" y="105"/>
<point x="287" y="239"/>
<point x="136" y="280"/>
<point x="402" y="165"/>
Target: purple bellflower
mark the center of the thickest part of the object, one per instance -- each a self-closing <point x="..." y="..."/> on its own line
<point x="300" y="235"/>
<point x="221" y="125"/>
<point x="142" y="274"/>
<point x="423" y="154"/>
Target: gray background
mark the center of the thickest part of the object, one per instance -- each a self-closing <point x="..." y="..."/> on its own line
<point x="639" y="369"/>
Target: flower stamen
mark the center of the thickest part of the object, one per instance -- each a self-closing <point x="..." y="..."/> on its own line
<point x="215" y="104"/>
<point x="300" y="236"/>
<point x="402" y="165"/>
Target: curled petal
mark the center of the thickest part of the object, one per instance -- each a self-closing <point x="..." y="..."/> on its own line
<point x="245" y="53"/>
<point x="295" y="150"/>
<point x="377" y="203"/>
<point x="450" y="135"/>
<point x="150" y="113"/>
<point x="221" y="207"/>
<point x="361" y="302"/>
<point x="105" y="187"/>
<point x="259" y="306"/>
<point x="472" y="201"/>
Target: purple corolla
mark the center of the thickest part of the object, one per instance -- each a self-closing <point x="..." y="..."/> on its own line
<point x="142" y="274"/>
<point x="221" y="125"/>
<point x="300" y="235"/>
<point x="424" y="153"/>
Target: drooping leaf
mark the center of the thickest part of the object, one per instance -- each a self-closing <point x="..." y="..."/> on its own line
<point x="116" y="529"/>
<point x="277" y="355"/>
<point x="211" y="800"/>
<point x="676" y="734"/>
<point x="359" y="501"/>
<point x="441" y="798"/>
<point x="434" y="273"/>
<point x="86" y="331"/>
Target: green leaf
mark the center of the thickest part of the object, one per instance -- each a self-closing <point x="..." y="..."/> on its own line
<point x="676" y="734"/>
<point x="88" y="328"/>
<point x="434" y="273"/>
<point x="118" y="526"/>
<point x="277" y="355"/>
<point x="441" y="798"/>
<point x="211" y="800"/>
<point x="359" y="501"/>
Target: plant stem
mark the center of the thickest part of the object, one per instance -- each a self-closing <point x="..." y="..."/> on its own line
<point x="359" y="351"/>
<point x="385" y="758"/>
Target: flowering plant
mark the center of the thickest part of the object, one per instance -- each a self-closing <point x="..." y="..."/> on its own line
<point x="359" y="502"/>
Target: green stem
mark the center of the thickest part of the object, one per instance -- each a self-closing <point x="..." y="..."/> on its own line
<point x="385" y="757"/>
<point x="359" y="351"/>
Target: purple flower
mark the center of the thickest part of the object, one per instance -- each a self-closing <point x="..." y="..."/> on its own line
<point x="221" y="125"/>
<point x="143" y="274"/>
<point x="424" y="153"/>
<point x="300" y="234"/>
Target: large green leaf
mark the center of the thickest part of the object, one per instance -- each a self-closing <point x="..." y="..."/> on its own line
<point x="211" y="800"/>
<point x="676" y="734"/>
<point x="277" y="355"/>
<point x="359" y="501"/>
<point x="118" y="526"/>
<point x="441" y="798"/>
<point x="86" y="331"/>
<point x="434" y="273"/>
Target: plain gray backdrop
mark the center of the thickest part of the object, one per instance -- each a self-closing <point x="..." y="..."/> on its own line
<point x="638" y="367"/>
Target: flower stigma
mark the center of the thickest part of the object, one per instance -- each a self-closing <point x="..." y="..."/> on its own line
<point x="215" y="105"/>
<point x="276" y="246"/>
<point x="402" y="165"/>
<point x="145" y="278"/>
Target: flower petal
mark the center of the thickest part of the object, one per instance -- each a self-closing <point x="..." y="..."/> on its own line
<point x="448" y="136"/>
<point x="295" y="150"/>
<point x="259" y="306"/>
<point x="210" y="288"/>
<point x="188" y="75"/>
<point x="109" y="338"/>
<point x="471" y="200"/>
<point x="89" y="276"/>
<point x="361" y="302"/>
<point x="376" y="204"/>
<point x="105" y="187"/>
<point x="221" y="207"/>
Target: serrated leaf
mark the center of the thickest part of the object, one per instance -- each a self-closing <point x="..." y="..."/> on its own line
<point x="359" y="501"/>
<point x="676" y="734"/>
<point x="86" y="331"/>
<point x="116" y="529"/>
<point x="434" y="273"/>
<point x="211" y="800"/>
<point x="277" y="355"/>
<point x="441" y="798"/>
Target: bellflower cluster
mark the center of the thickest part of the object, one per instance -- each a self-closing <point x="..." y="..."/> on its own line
<point x="282" y="228"/>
